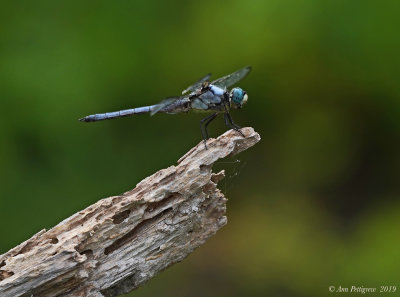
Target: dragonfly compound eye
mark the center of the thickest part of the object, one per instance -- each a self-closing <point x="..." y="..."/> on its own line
<point x="239" y="97"/>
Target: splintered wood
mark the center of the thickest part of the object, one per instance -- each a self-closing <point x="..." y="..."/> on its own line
<point x="120" y="242"/>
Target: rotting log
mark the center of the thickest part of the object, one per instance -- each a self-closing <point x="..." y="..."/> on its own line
<point x="120" y="242"/>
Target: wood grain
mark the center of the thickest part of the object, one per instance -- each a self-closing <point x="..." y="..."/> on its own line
<point x="120" y="242"/>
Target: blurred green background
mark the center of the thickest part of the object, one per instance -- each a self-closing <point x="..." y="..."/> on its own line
<point x="314" y="204"/>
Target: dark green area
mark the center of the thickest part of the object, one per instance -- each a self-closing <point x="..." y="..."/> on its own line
<point x="314" y="204"/>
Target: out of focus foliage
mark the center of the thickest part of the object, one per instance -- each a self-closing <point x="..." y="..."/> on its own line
<point x="315" y="203"/>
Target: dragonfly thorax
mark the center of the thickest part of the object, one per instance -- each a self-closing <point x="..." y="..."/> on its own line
<point x="238" y="97"/>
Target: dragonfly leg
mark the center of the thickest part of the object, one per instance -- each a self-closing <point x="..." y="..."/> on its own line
<point x="231" y="124"/>
<point x="203" y="127"/>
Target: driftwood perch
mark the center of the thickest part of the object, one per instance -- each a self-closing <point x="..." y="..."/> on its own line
<point x="120" y="242"/>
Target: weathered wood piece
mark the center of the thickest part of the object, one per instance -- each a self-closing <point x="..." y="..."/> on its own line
<point x="120" y="242"/>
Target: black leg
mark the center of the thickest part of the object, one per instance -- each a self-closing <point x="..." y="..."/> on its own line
<point x="203" y="127"/>
<point x="229" y="122"/>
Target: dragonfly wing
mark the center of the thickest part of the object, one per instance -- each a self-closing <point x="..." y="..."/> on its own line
<point x="231" y="79"/>
<point x="196" y="85"/>
<point x="167" y="101"/>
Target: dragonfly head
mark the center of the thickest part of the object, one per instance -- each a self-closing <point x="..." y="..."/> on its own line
<point x="238" y="97"/>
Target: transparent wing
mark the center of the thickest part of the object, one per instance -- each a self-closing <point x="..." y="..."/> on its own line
<point x="167" y="101"/>
<point x="196" y="85"/>
<point x="231" y="79"/>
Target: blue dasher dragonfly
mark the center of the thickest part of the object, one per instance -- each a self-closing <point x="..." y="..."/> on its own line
<point x="203" y="95"/>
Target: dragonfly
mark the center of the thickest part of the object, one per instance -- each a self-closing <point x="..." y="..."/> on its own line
<point x="204" y="95"/>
